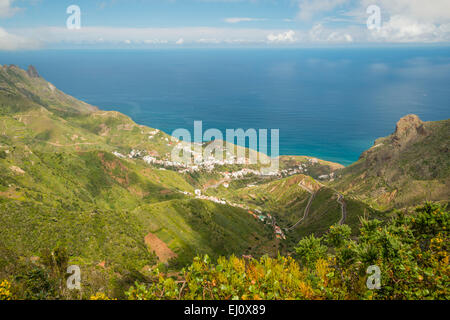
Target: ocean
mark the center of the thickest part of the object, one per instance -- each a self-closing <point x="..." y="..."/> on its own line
<point x="327" y="103"/>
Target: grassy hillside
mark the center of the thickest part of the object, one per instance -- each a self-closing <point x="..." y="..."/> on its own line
<point x="66" y="179"/>
<point x="406" y="168"/>
<point x="283" y="197"/>
<point x="287" y="199"/>
<point x="193" y="226"/>
<point x="311" y="166"/>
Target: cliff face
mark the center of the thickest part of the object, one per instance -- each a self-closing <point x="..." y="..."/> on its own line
<point x="408" y="128"/>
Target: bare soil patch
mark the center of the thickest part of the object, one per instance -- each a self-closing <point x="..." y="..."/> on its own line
<point x="161" y="249"/>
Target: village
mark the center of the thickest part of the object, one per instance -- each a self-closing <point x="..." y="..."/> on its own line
<point x="209" y="164"/>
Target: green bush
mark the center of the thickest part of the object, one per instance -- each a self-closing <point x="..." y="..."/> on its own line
<point x="411" y="252"/>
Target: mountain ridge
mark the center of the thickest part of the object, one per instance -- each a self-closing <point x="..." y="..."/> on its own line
<point x="415" y="155"/>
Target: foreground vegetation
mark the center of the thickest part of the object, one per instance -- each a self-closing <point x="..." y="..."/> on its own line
<point x="411" y="251"/>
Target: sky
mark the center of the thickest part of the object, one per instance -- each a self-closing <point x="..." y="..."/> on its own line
<point x="47" y="24"/>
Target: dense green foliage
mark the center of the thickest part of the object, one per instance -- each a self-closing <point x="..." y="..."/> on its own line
<point x="411" y="251"/>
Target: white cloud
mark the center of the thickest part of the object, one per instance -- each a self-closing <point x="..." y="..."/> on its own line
<point x="310" y="8"/>
<point x="405" y="29"/>
<point x="319" y="33"/>
<point x="339" y="37"/>
<point x="244" y="41"/>
<point x="411" y="21"/>
<point x="436" y="11"/>
<point x="155" y="41"/>
<point x="209" y="41"/>
<point x="11" y="42"/>
<point x="6" y="9"/>
<point x="416" y="21"/>
<point x="402" y="20"/>
<point x="288" y="36"/>
<point x="110" y="35"/>
<point x="237" y="20"/>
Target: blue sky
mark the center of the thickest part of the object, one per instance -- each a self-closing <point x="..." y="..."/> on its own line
<point x="153" y="13"/>
<point x="39" y="24"/>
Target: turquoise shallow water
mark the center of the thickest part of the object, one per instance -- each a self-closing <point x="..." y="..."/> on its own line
<point x="328" y="103"/>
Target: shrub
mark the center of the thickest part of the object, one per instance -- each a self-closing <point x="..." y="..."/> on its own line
<point x="411" y="252"/>
<point x="5" y="290"/>
<point x="100" y="296"/>
<point x="310" y="249"/>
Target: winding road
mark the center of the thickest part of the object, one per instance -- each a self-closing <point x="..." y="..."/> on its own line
<point x="308" y="206"/>
<point x="341" y="201"/>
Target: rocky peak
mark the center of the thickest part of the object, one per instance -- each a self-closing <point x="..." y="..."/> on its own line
<point x="408" y="127"/>
<point x="32" y="72"/>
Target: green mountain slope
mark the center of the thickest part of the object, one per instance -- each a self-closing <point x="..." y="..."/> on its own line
<point x="406" y="168"/>
<point x="26" y="90"/>
<point x="193" y="226"/>
<point x="302" y="205"/>
<point x="68" y="176"/>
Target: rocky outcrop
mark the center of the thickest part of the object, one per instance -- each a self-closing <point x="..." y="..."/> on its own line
<point x="408" y="128"/>
<point x="405" y="168"/>
<point x="32" y="72"/>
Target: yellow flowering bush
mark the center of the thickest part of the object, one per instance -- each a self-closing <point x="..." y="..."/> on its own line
<point x="236" y="278"/>
<point x="5" y="291"/>
<point x="411" y="252"/>
<point x="100" y="296"/>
